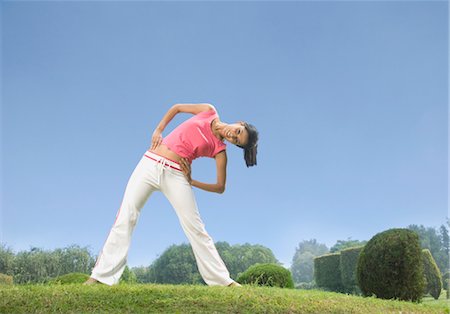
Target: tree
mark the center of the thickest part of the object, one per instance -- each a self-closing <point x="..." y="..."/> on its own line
<point x="6" y="260"/>
<point x="239" y="257"/>
<point x="128" y="276"/>
<point x="35" y="266"/>
<point x="142" y="274"/>
<point x="342" y="244"/>
<point x="302" y="267"/>
<point x="38" y="265"/>
<point x="445" y="249"/>
<point x="433" y="240"/>
<point x="429" y="238"/>
<point x="177" y="264"/>
<point x="74" y="259"/>
<point x="303" y="270"/>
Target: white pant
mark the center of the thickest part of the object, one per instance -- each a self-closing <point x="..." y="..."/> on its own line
<point x="155" y="173"/>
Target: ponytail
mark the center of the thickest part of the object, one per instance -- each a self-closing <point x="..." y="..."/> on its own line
<point x="251" y="149"/>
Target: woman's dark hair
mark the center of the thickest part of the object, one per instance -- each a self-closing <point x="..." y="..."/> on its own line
<point x="251" y="149"/>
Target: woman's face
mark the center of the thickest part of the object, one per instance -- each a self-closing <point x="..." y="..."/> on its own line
<point x="236" y="134"/>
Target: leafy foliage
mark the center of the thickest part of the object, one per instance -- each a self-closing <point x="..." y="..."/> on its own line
<point x="302" y="267"/>
<point x="271" y="275"/>
<point x="432" y="275"/>
<point x="6" y="279"/>
<point x="437" y="241"/>
<point x="348" y="266"/>
<point x="6" y="260"/>
<point x="306" y="285"/>
<point x="128" y="276"/>
<point x="391" y="266"/>
<point x="177" y="264"/>
<point x="346" y="244"/>
<point x="240" y="257"/>
<point x="446" y="282"/>
<point x="70" y="278"/>
<point x="327" y="272"/>
<point x="40" y="266"/>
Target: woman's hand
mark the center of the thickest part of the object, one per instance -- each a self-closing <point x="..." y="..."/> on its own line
<point x="186" y="168"/>
<point x="156" y="138"/>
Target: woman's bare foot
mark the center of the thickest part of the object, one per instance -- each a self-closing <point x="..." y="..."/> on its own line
<point x="234" y="284"/>
<point x="90" y="281"/>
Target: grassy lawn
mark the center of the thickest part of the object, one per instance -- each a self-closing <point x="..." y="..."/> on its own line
<point x="442" y="301"/>
<point x="151" y="298"/>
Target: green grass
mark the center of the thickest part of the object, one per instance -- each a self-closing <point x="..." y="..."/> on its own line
<point x="442" y="301"/>
<point x="76" y="298"/>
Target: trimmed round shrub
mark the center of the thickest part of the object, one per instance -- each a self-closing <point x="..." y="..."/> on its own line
<point x="390" y="266"/>
<point x="70" y="278"/>
<point x="6" y="279"/>
<point x="268" y="274"/>
<point x="327" y="272"/>
<point x="432" y="275"/>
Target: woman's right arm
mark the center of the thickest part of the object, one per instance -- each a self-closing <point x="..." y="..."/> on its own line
<point x="177" y="108"/>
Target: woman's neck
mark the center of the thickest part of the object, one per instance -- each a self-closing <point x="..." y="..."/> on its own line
<point x="217" y="127"/>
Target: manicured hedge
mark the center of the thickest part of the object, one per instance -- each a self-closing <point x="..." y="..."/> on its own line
<point x="348" y="266"/>
<point x="390" y="266"/>
<point x="327" y="272"/>
<point x="432" y="275"/>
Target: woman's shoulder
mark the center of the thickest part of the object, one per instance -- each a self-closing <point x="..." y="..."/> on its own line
<point x="210" y="111"/>
<point x="210" y="108"/>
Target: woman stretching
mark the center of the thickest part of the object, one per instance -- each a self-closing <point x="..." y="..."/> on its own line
<point x="166" y="167"/>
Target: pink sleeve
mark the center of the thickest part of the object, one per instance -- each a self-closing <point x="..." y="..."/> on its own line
<point x="219" y="148"/>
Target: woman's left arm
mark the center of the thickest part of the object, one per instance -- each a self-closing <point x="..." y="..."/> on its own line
<point x="221" y="165"/>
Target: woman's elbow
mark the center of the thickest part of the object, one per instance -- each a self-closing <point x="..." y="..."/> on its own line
<point x="175" y="108"/>
<point x="221" y="189"/>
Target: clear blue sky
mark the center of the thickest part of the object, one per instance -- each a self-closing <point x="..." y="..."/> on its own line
<point x="350" y="99"/>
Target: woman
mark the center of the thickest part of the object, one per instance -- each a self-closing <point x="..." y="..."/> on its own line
<point x="166" y="167"/>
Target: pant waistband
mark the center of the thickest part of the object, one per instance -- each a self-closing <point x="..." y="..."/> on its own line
<point x="160" y="159"/>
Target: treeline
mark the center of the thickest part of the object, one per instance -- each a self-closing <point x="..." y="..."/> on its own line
<point x="436" y="240"/>
<point x="176" y="265"/>
<point x="40" y="266"/>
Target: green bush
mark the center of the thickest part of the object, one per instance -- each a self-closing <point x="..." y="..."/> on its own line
<point x="446" y="283"/>
<point x="70" y="278"/>
<point x="432" y="275"/>
<point x="390" y="266"/>
<point x="348" y="266"/>
<point x="445" y="276"/>
<point x="6" y="279"/>
<point x="327" y="273"/>
<point x="267" y="274"/>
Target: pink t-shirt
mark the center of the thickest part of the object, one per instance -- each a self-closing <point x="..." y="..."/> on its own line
<point x="194" y="138"/>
